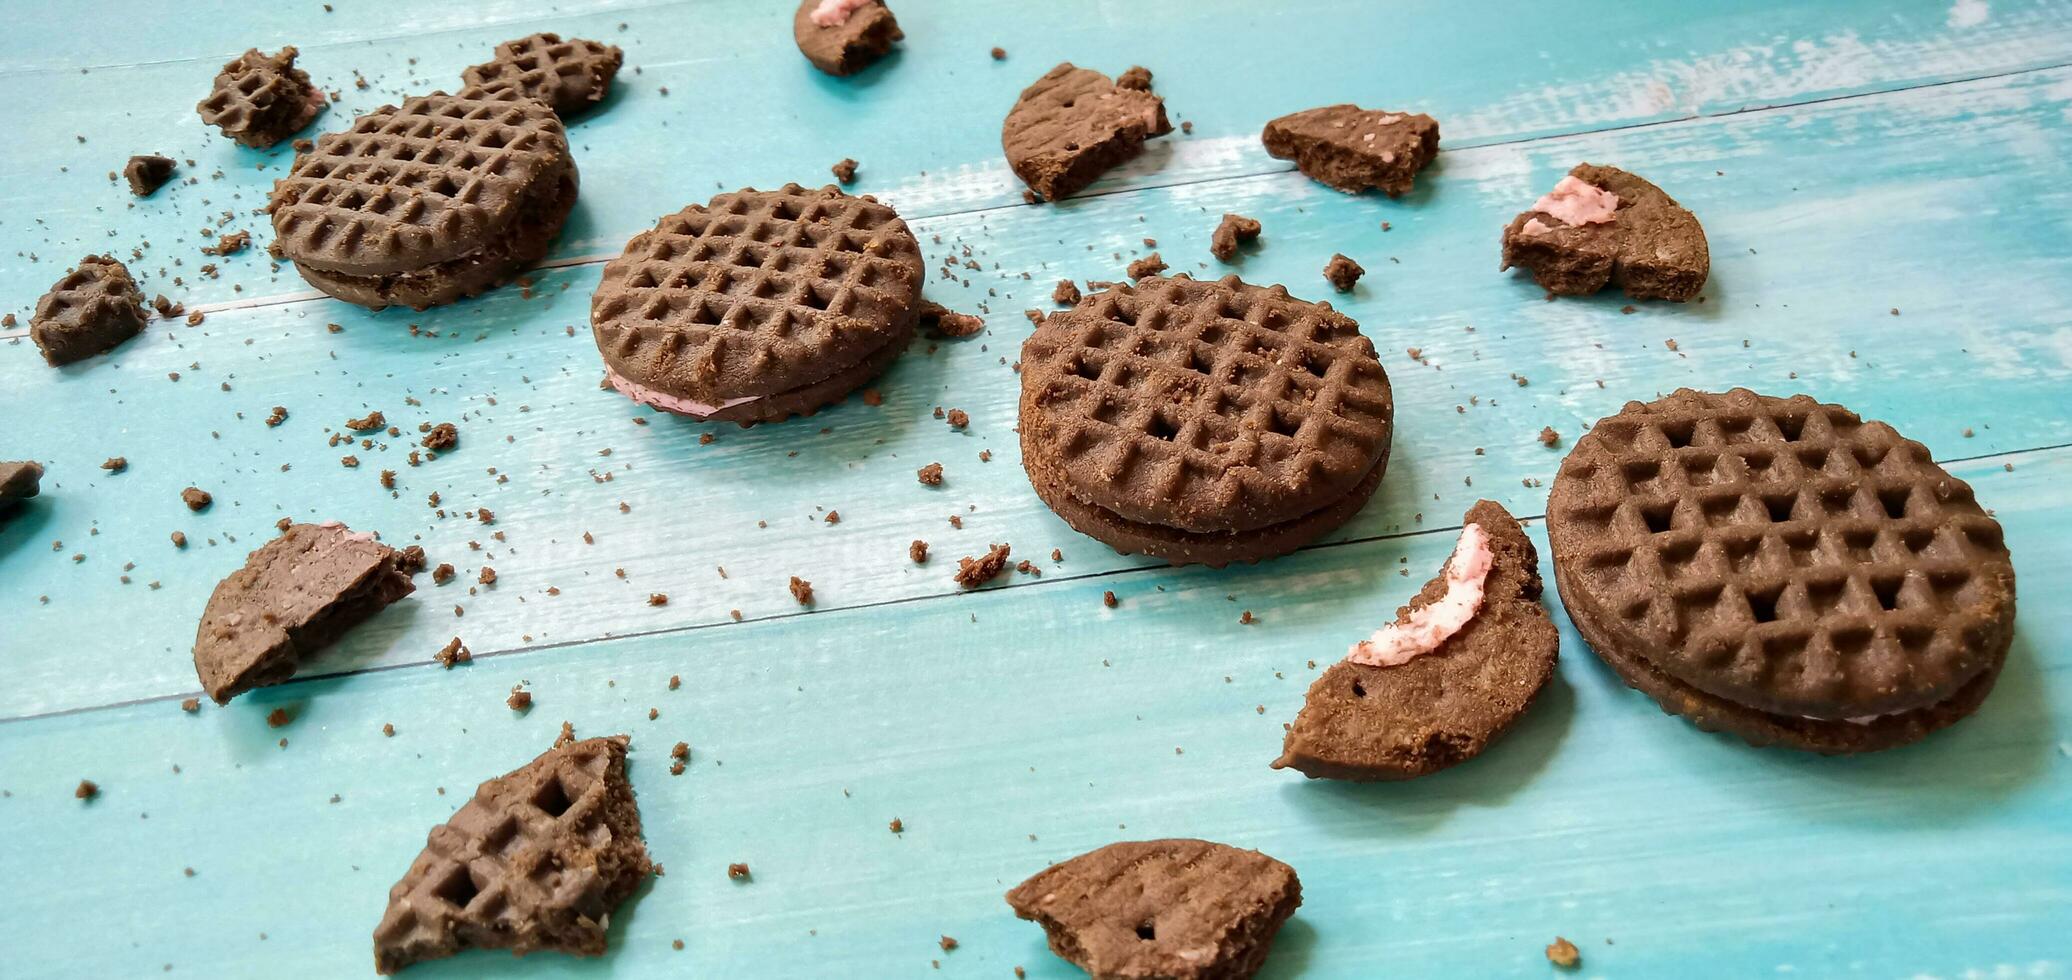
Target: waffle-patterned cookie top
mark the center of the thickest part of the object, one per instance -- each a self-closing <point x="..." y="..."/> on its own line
<point x="569" y="76"/>
<point x="757" y="292"/>
<point x="537" y="860"/>
<point x="259" y="99"/>
<point x="1205" y="406"/>
<point x="90" y="309"/>
<point x="1781" y="552"/>
<point x="412" y="186"/>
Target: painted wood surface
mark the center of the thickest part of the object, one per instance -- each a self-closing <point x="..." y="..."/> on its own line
<point x="1849" y="160"/>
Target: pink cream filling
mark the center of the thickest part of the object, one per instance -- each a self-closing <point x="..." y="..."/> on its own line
<point x="1426" y="628"/>
<point x="1574" y="202"/>
<point x="672" y="403"/>
<point x="833" y="12"/>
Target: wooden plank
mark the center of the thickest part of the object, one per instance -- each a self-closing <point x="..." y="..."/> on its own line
<point x="1017" y="727"/>
<point x="1801" y="206"/>
<point x="926" y="127"/>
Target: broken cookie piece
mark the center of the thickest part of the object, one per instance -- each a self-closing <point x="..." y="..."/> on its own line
<point x="293" y="597"/>
<point x="261" y="99"/>
<point x="147" y="172"/>
<point x="1235" y="229"/>
<point x="1343" y="273"/>
<point x="1074" y="124"/>
<point x="538" y="860"/>
<point x="1353" y="149"/>
<point x="1456" y="668"/>
<point x="1177" y="909"/>
<point x="569" y="76"/>
<point x="91" y="310"/>
<point x="19" y="481"/>
<point x="1602" y="226"/>
<point x="842" y="37"/>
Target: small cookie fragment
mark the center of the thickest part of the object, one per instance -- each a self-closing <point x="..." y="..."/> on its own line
<point x="87" y="790"/>
<point x="90" y="310"/>
<point x="1074" y="124"/>
<point x="930" y="475"/>
<point x="918" y="551"/>
<point x="802" y="591"/>
<point x="569" y="76"/>
<point x="1343" y="273"/>
<point x="945" y="322"/>
<point x="442" y="437"/>
<point x="196" y="498"/>
<point x="19" y="480"/>
<point x="974" y="572"/>
<point x="454" y="652"/>
<point x="1066" y="293"/>
<point x="1564" y="954"/>
<point x="1234" y="230"/>
<point x="1354" y="149"/>
<point x="1149" y="265"/>
<point x="261" y="99"/>
<point x="147" y="172"/>
<point x="842" y="37"/>
<point x="1603" y="226"/>
<point x="845" y="171"/>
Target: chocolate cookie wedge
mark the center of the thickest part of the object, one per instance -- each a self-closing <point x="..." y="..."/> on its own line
<point x="1177" y="909"/>
<point x="1782" y="570"/>
<point x="91" y="310"/>
<point x="1204" y="422"/>
<point x="1354" y="149"/>
<point x="1460" y="663"/>
<point x="569" y="76"/>
<point x="428" y="202"/>
<point x="1074" y="124"/>
<point x="294" y="596"/>
<point x="538" y="860"/>
<point x="261" y="99"/>
<point x="758" y="305"/>
<point x="1602" y="226"/>
<point x="843" y="37"/>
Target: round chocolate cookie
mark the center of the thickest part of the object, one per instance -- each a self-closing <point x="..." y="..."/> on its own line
<point x="1203" y="422"/>
<point x="843" y="37"/>
<point x="1781" y="570"/>
<point x="759" y="305"/>
<point x="423" y="204"/>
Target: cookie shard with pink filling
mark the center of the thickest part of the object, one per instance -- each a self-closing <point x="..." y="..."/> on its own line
<point x="1444" y="706"/>
<point x="843" y="37"/>
<point x="1354" y="149"/>
<point x="1602" y="226"/>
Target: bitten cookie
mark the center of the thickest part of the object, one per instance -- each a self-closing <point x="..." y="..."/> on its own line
<point x="1074" y="124"/>
<point x="759" y="305"/>
<point x="261" y="99"/>
<point x="425" y="203"/>
<point x="1781" y="570"/>
<point x="295" y="596"/>
<point x="1177" y="909"/>
<point x="1602" y="225"/>
<point x="1460" y="663"/>
<point x="1205" y="422"/>
<point x="1354" y="149"/>
<point x="91" y="310"/>
<point x="537" y="860"/>
<point x="843" y="37"/>
<point x="569" y="76"/>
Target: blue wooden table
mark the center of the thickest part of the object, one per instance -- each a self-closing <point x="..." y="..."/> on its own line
<point x="1887" y="190"/>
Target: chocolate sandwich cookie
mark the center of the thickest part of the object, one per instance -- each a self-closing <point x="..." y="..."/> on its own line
<point x="90" y="310"/>
<point x="1354" y="149"/>
<point x="843" y="37"/>
<point x="1204" y="422"/>
<point x="569" y="76"/>
<point x="1074" y="124"/>
<point x="1781" y="570"/>
<point x="538" y="860"/>
<point x="294" y="596"/>
<point x="1455" y="669"/>
<point x="759" y="305"/>
<point x="1603" y="225"/>
<point x="19" y="480"/>
<point x="261" y="99"/>
<point x="1174" y="909"/>
<point x="438" y="199"/>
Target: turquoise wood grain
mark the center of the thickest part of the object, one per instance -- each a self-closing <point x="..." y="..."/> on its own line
<point x="744" y="108"/>
<point x="1013" y="728"/>
<point x="1805" y="208"/>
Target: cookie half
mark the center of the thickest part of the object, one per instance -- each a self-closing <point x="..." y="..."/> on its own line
<point x="1354" y="149"/>
<point x="1602" y="226"/>
<point x="1453" y="696"/>
<point x="569" y="76"/>
<point x="1179" y="909"/>
<point x="1075" y="124"/>
<point x="758" y="305"/>
<point x="91" y="310"/>
<point x="261" y="99"/>
<point x="843" y="37"/>
<point x="1782" y="570"/>
<point x="1203" y="422"/>
<point x="421" y="204"/>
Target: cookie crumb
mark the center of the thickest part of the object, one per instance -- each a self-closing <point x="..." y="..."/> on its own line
<point x="191" y="705"/>
<point x="946" y="943"/>
<point x="454" y="652"/>
<point x="1564" y="954"/>
<point x="897" y="827"/>
<point x="1233" y="231"/>
<point x="999" y="54"/>
<point x="1108" y="599"/>
<point x="196" y="499"/>
<point x="1066" y="293"/>
<point x="930" y="475"/>
<point x="918" y="551"/>
<point x="388" y="730"/>
<point x="958" y="419"/>
<point x="974" y="572"/>
<point x="658" y="599"/>
<point x="802" y="590"/>
<point x="1343" y="273"/>
<point x="521" y="700"/>
<point x="441" y="437"/>
<point x="1149" y="265"/>
<point x="1549" y="437"/>
<point x="1246" y="619"/>
<point x="115" y="464"/>
<point x="738" y="871"/>
<point x="88" y="789"/>
<point x="442" y="574"/>
<point x="845" y="171"/>
<point x="675" y="682"/>
<point x="179" y="539"/>
<point x="278" y="718"/>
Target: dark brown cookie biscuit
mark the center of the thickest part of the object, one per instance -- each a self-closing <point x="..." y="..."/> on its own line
<point x="293" y="597"/>
<point x="441" y="198"/>
<point x="1234" y="229"/>
<point x="1781" y="569"/>
<point x="1221" y="409"/>
<point x="261" y="99"/>
<point x="1073" y="124"/>
<point x="1177" y="909"/>
<point x="538" y="860"/>
<point x="147" y="172"/>
<point x="92" y="309"/>
<point x="1602" y="225"/>
<point x="1445" y="706"/>
<point x="842" y="37"/>
<point x="569" y="76"/>
<point x="759" y="304"/>
<point x="1353" y="149"/>
<point x="19" y="480"/>
<point x="1342" y="273"/>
